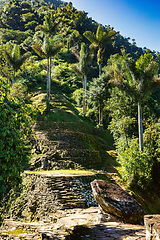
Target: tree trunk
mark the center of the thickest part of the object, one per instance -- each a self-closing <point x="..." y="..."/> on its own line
<point x="85" y="93"/>
<point x="50" y="67"/>
<point x="101" y="115"/>
<point x="14" y="74"/>
<point x="140" y="126"/>
<point x="47" y="82"/>
<point x="100" y="69"/>
<point x="99" y="112"/>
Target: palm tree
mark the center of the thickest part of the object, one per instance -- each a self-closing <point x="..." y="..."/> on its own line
<point x="137" y="79"/>
<point x="84" y="57"/>
<point x="49" y="26"/>
<point x="48" y="50"/>
<point x="14" y="58"/>
<point x="99" y="41"/>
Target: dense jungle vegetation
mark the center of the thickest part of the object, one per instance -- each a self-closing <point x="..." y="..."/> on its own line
<point x="53" y="47"/>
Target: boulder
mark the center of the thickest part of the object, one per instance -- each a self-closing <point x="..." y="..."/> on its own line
<point x="116" y="203"/>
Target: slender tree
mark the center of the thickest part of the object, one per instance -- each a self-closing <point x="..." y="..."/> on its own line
<point x="84" y="60"/>
<point x="137" y="79"/>
<point x="48" y="50"/>
<point x="49" y="28"/>
<point x="14" y="58"/>
<point x="98" y="92"/>
<point x="99" y="41"/>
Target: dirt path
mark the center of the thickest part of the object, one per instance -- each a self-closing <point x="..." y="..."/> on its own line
<point x="73" y="224"/>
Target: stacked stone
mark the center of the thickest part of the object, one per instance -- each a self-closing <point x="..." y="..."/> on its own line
<point x="152" y="224"/>
<point x="44" y="194"/>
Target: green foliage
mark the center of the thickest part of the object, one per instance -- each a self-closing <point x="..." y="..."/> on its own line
<point x="15" y="123"/>
<point x="141" y="168"/>
<point x="123" y="113"/>
<point x="77" y="96"/>
<point x="15" y="36"/>
<point x="16" y="14"/>
<point x="14" y="57"/>
<point x="65" y="77"/>
<point x="98" y="89"/>
<point x="136" y="166"/>
<point x="98" y="94"/>
<point x="99" y="41"/>
<point x="152" y="139"/>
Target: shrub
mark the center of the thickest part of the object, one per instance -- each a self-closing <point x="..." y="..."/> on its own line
<point x="15" y="120"/>
<point x="77" y="96"/>
<point x="136" y="166"/>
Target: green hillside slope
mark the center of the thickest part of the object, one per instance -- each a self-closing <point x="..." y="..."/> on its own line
<point x="64" y="140"/>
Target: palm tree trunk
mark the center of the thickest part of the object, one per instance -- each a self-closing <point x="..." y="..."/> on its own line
<point x="140" y="126"/>
<point x="47" y="82"/>
<point x="14" y="74"/>
<point x="85" y="93"/>
<point x="50" y="66"/>
<point x="100" y="69"/>
<point x="101" y="115"/>
<point x="99" y="112"/>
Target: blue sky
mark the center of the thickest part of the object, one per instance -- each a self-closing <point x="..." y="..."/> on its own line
<point x="139" y="20"/>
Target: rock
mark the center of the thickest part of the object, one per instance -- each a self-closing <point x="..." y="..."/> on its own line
<point x="152" y="224"/>
<point x="116" y="202"/>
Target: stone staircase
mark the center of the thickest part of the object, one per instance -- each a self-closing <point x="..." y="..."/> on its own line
<point x="43" y="194"/>
<point x="66" y="192"/>
<point x="62" y="146"/>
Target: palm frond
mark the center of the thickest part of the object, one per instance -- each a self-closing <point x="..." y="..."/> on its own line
<point x="76" y="53"/>
<point x="19" y="62"/>
<point x="99" y="33"/>
<point x="8" y="58"/>
<point x="130" y="71"/>
<point x="76" y="69"/>
<point x="91" y="37"/>
<point x="55" y="49"/>
<point x="38" y="50"/>
<point x="111" y="34"/>
<point x="49" y="27"/>
<point x="15" y="52"/>
<point x="46" y="46"/>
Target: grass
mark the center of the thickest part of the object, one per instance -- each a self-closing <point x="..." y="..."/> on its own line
<point x="62" y="171"/>
<point x="17" y="232"/>
<point x="61" y="109"/>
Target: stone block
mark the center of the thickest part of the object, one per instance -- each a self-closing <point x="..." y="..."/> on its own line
<point x="152" y="224"/>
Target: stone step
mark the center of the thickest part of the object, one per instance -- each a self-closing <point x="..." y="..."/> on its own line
<point x="73" y="205"/>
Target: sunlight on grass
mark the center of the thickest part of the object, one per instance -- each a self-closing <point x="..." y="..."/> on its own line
<point x="16" y="232"/>
<point x="66" y="171"/>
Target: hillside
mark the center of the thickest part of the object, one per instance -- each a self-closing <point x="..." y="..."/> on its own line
<point x="70" y="131"/>
<point x="66" y="140"/>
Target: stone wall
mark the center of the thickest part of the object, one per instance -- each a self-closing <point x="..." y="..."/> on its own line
<point x="44" y="194"/>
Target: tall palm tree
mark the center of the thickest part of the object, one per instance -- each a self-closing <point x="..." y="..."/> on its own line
<point x="99" y="41"/>
<point x="48" y="50"/>
<point x="137" y="79"/>
<point x="14" y="58"/>
<point x="49" y="28"/>
<point x="84" y="60"/>
<point x="50" y="25"/>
